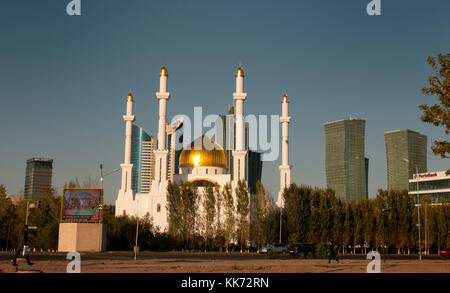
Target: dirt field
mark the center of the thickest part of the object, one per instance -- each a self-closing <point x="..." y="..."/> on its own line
<point x="186" y="265"/>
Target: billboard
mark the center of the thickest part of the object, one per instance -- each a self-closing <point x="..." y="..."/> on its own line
<point x="81" y="205"/>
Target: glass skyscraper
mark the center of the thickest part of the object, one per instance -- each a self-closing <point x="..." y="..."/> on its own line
<point x="38" y="177"/>
<point x="142" y="158"/>
<point x="346" y="166"/>
<point x="400" y="145"/>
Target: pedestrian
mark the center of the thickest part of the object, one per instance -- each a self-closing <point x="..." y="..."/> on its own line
<point x="332" y="253"/>
<point x="23" y="246"/>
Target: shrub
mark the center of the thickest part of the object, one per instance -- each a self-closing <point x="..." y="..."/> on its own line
<point x="271" y="255"/>
<point x="322" y="250"/>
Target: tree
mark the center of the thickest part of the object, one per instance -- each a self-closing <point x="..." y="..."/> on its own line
<point x="230" y="217"/>
<point x="46" y="219"/>
<point x="209" y="207"/>
<point x="439" y="114"/>
<point x="7" y="218"/>
<point x="261" y="210"/>
<point x="182" y="207"/>
<point x="242" y="210"/>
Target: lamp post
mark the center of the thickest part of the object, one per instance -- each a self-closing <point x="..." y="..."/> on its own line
<point x="418" y="204"/>
<point x="100" y="205"/>
<point x="137" y="231"/>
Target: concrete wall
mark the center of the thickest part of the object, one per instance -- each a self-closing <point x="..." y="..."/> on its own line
<point x="81" y="237"/>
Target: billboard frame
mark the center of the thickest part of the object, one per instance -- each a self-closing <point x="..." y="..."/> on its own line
<point x="72" y="221"/>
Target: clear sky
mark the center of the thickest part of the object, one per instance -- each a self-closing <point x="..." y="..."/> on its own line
<point x="64" y="79"/>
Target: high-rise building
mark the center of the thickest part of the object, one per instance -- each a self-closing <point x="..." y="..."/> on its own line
<point x="400" y="145"/>
<point x="174" y="140"/>
<point x="226" y="138"/>
<point x="142" y="158"/>
<point x="147" y="163"/>
<point x="38" y="177"/>
<point x="345" y="161"/>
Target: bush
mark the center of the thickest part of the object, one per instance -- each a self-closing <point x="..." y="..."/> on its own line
<point x="322" y="250"/>
<point x="271" y="255"/>
<point x="310" y="255"/>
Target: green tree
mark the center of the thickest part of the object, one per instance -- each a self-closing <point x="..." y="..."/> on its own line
<point x="209" y="207"/>
<point x="7" y="219"/>
<point x="242" y="211"/>
<point x="230" y="216"/>
<point x="182" y="207"/>
<point x="439" y="114"/>
<point x="261" y="208"/>
<point x="298" y="209"/>
<point x="46" y="218"/>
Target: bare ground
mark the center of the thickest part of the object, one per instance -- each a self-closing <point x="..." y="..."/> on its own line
<point x="164" y="265"/>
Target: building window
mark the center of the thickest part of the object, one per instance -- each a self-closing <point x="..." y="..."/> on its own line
<point x="158" y="208"/>
<point x="215" y="171"/>
<point x="207" y="171"/>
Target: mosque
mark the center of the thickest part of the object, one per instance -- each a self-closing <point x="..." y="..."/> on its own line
<point x="203" y="163"/>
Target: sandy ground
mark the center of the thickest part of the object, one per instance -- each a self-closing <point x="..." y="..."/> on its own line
<point x="230" y="266"/>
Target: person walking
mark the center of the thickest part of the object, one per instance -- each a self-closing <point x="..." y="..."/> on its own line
<point x="23" y="246"/>
<point x="332" y="253"/>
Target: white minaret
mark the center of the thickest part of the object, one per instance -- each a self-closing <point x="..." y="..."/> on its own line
<point x="127" y="167"/>
<point x="239" y="153"/>
<point x="285" y="168"/>
<point x="161" y="151"/>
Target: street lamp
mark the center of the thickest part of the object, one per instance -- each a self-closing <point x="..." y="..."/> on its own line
<point x="418" y="205"/>
<point x="100" y="206"/>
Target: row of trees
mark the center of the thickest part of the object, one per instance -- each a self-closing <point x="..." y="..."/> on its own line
<point x="215" y="220"/>
<point x="214" y="216"/>
<point x="316" y="215"/>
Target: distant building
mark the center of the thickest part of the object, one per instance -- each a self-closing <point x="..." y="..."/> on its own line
<point x="346" y="166"/>
<point x="38" y="177"/>
<point x="401" y="145"/>
<point x="142" y="158"/>
<point x="15" y="199"/>
<point x="174" y="140"/>
<point x="227" y="139"/>
<point x="435" y="185"/>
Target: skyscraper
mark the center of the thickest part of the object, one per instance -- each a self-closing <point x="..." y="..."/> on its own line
<point x="400" y="145"/>
<point x="345" y="161"/>
<point x="142" y="158"/>
<point x="38" y="177"/>
<point x="226" y="138"/>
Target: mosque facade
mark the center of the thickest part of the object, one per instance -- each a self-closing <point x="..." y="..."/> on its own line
<point x="203" y="162"/>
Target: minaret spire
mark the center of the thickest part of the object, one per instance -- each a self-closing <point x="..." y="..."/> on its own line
<point x="285" y="168"/>
<point x="129" y="118"/>
<point x="161" y="152"/>
<point x="239" y="154"/>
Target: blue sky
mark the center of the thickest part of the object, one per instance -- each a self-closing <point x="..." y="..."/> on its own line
<point x="63" y="80"/>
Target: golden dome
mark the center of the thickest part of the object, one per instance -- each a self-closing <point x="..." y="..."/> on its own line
<point x="130" y="97"/>
<point x="285" y="99"/>
<point x="202" y="157"/>
<point x="163" y="71"/>
<point x="240" y="72"/>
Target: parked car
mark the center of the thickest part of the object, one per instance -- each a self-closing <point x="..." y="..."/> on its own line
<point x="296" y="249"/>
<point x="445" y="252"/>
<point x="278" y="248"/>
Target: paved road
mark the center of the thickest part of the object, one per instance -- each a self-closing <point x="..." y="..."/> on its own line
<point x="191" y="256"/>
